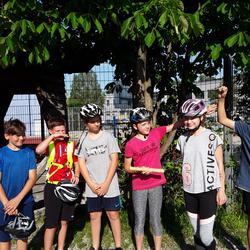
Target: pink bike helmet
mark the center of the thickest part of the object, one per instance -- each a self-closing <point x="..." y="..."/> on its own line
<point x="193" y="107"/>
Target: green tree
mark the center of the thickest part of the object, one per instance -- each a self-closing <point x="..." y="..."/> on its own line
<point x="85" y="89"/>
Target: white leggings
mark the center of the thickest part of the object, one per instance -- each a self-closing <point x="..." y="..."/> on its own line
<point x="203" y="229"/>
<point x="154" y="198"/>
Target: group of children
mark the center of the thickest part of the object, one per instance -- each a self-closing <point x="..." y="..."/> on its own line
<point x="95" y="157"/>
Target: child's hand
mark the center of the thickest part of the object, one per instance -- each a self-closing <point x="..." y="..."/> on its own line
<point x="211" y="108"/>
<point x="222" y="92"/>
<point x="145" y="171"/>
<point x="75" y="179"/>
<point x="11" y="206"/>
<point x="94" y="187"/>
<point x="102" y="189"/>
<point x="221" y="197"/>
<point x="60" y="136"/>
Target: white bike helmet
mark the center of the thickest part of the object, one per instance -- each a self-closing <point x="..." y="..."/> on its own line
<point x="193" y="107"/>
<point x="67" y="191"/>
<point x="140" y="114"/>
<point x="90" y="110"/>
<point x="21" y="227"/>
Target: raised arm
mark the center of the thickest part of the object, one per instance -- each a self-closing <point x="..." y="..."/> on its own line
<point x="175" y="125"/>
<point x="222" y="116"/>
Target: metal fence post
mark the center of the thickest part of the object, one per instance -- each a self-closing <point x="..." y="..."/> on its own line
<point x="228" y="81"/>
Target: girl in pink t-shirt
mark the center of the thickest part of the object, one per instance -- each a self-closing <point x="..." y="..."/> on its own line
<point x="143" y="151"/>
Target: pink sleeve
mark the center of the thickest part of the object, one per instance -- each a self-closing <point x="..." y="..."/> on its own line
<point x="128" y="151"/>
<point x="160" y="131"/>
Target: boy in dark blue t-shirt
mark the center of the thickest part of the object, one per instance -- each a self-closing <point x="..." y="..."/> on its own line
<point x="243" y="130"/>
<point x="17" y="177"/>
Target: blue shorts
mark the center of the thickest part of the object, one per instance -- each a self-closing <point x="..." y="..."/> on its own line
<point x="25" y="209"/>
<point x="97" y="204"/>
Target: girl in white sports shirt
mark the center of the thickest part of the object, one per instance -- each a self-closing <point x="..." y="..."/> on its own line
<point x="202" y="171"/>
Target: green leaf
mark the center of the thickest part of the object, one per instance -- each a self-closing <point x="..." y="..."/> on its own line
<point x="104" y="15"/>
<point x="195" y="23"/>
<point x="74" y="21"/>
<point x="150" y="38"/>
<point x="54" y="28"/>
<point x="86" y="24"/>
<point x="31" y="57"/>
<point x="125" y="28"/>
<point x="159" y="38"/>
<point x="230" y="41"/>
<point x="145" y="22"/>
<point x="23" y="27"/>
<point x="247" y="37"/>
<point x="184" y="23"/>
<point x="62" y="33"/>
<point x="2" y="40"/>
<point x="215" y="51"/>
<point x="222" y="8"/>
<point x="98" y="25"/>
<point x="69" y="16"/>
<point x="244" y="59"/>
<point x="46" y="54"/>
<point x="48" y="28"/>
<point x="163" y="19"/>
<point x="37" y="56"/>
<point x="10" y="44"/>
<point x="241" y="40"/>
<point x="40" y="28"/>
<point x="138" y="21"/>
<point x="13" y="60"/>
<point x="5" y="60"/>
<point x="31" y="26"/>
<point x="114" y="18"/>
<point x="14" y="26"/>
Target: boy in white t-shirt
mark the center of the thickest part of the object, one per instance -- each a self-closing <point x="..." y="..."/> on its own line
<point x="98" y="160"/>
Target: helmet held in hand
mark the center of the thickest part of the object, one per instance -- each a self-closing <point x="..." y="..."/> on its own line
<point x="67" y="191"/>
<point x="21" y="227"/>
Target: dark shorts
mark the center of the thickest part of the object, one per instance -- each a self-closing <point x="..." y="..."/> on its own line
<point x="203" y="204"/>
<point x="97" y="204"/>
<point x="246" y="202"/>
<point x="55" y="209"/>
<point x="25" y="209"/>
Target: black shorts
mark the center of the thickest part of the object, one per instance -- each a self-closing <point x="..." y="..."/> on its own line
<point x="55" y="209"/>
<point x="203" y="204"/>
<point x="97" y="204"/>
<point x="246" y="202"/>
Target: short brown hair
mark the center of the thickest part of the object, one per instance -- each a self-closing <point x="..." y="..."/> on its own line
<point x="56" y="121"/>
<point x="14" y="127"/>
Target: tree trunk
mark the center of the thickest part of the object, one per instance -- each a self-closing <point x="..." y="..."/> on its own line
<point x="142" y="92"/>
<point x="52" y="98"/>
<point x="5" y="101"/>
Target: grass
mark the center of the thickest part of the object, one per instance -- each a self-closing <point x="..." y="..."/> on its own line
<point x="230" y="226"/>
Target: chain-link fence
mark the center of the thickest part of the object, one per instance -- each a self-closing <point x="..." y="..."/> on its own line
<point x="115" y="105"/>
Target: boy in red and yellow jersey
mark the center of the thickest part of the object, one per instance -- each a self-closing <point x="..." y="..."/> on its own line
<point x="62" y="165"/>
